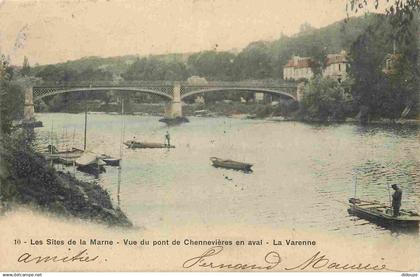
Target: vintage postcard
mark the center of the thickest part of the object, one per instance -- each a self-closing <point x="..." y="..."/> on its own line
<point x="219" y="135"/>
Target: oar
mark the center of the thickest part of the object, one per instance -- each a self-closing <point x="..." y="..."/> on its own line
<point x="344" y="203"/>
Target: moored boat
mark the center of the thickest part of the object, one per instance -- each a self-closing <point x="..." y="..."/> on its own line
<point x="382" y="214"/>
<point x="136" y="144"/>
<point x="174" y="121"/>
<point x="54" y="154"/>
<point x="90" y="163"/>
<point x="111" y="161"/>
<point x="230" y="164"/>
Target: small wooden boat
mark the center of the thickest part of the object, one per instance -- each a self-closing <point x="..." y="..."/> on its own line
<point x="90" y="163"/>
<point x="65" y="161"/>
<point x="382" y="214"/>
<point x="174" y="121"/>
<point x="54" y="154"/>
<point x="111" y="161"/>
<point x="217" y="162"/>
<point x="135" y="144"/>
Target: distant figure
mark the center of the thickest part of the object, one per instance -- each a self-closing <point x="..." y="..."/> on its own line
<point x="132" y="142"/>
<point x="396" y="200"/>
<point x="167" y="139"/>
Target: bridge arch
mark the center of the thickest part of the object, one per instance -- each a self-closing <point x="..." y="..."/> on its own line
<point x="41" y="92"/>
<point x="219" y="90"/>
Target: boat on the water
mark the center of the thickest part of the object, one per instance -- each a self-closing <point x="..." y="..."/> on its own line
<point x="382" y="214"/>
<point x="136" y="144"/>
<point x="109" y="160"/>
<point x="65" y="161"/>
<point x="90" y="163"/>
<point x="54" y="154"/>
<point x="230" y="164"/>
<point x="174" y="121"/>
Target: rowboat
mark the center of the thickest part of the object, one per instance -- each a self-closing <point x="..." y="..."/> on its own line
<point x="135" y="144"/>
<point x="111" y="161"/>
<point x="90" y="163"/>
<point x="73" y="153"/>
<point x="382" y="214"/>
<point x="174" y="121"/>
<point x="217" y="162"/>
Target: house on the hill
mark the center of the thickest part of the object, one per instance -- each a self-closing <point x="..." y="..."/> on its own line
<point x="336" y="66"/>
<point x="298" y="68"/>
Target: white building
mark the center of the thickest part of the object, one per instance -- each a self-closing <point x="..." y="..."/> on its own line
<point x="197" y="80"/>
<point x="336" y="66"/>
<point x="298" y="68"/>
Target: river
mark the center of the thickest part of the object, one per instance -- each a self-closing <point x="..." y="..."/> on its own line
<point x="302" y="175"/>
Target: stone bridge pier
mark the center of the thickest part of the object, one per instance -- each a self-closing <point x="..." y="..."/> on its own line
<point x="174" y="108"/>
<point x="28" y="110"/>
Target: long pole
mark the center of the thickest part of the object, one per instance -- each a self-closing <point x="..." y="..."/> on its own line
<point x="121" y="151"/>
<point x="355" y="186"/>
<point x="389" y="195"/>
<point x="122" y="127"/>
<point x="84" y="140"/>
<point x="51" y="142"/>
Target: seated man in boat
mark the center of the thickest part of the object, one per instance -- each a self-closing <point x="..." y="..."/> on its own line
<point x="396" y="200"/>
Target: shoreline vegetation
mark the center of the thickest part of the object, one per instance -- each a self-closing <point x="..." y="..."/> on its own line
<point x="235" y="110"/>
<point x="28" y="180"/>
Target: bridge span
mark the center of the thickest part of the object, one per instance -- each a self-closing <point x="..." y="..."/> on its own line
<point x="173" y="92"/>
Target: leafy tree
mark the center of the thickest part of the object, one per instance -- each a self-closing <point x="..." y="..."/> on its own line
<point x="11" y="97"/>
<point x="401" y="13"/>
<point x="26" y="69"/>
<point x="377" y="94"/>
<point x="306" y="27"/>
<point x="254" y="62"/>
<point x="325" y="99"/>
<point x="212" y="65"/>
<point x="153" y="69"/>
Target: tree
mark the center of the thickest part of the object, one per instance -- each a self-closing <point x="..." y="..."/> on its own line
<point x="212" y="65"/>
<point x="11" y="97"/>
<point x="400" y="12"/>
<point x="378" y="93"/>
<point x="153" y="69"/>
<point x="26" y="69"/>
<point x="325" y="99"/>
<point x="305" y="27"/>
<point x="254" y="62"/>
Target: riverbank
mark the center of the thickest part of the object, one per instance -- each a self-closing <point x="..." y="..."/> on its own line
<point x="28" y="180"/>
<point x="226" y="108"/>
<point x="278" y="112"/>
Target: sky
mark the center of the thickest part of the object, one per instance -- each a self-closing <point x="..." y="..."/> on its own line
<point x="51" y="31"/>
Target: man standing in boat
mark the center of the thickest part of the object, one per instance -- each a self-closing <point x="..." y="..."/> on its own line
<point x="168" y="139"/>
<point x="396" y="200"/>
<point x="132" y="142"/>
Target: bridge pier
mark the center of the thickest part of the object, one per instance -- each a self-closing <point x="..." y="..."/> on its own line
<point x="28" y="110"/>
<point x="174" y="108"/>
<point x="299" y="91"/>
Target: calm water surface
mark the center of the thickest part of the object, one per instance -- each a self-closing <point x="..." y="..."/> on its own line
<point x="303" y="174"/>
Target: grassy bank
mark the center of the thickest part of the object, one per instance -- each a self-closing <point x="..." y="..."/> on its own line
<point x="27" y="179"/>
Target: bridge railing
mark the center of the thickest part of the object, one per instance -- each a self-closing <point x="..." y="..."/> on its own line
<point x="104" y="84"/>
<point x="248" y="83"/>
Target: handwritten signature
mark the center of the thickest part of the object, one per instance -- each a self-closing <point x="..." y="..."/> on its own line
<point x="81" y="256"/>
<point x="273" y="259"/>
